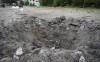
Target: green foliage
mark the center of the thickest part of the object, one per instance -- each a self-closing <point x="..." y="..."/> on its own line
<point x="50" y="2"/>
<point x="43" y="2"/>
<point x="26" y="3"/>
<point x="56" y="3"/>
<point x="9" y="1"/>
<point x="77" y="2"/>
<point x="70" y="2"/>
<point x="82" y="3"/>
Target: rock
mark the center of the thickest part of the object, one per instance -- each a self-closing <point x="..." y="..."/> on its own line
<point x="51" y="55"/>
<point x="82" y="27"/>
<point x="19" y="51"/>
<point x="53" y="48"/>
<point x="16" y="57"/>
<point x="82" y="59"/>
<point x="63" y="18"/>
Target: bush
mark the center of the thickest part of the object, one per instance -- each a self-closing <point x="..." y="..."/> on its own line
<point x="82" y="3"/>
<point x="77" y="2"/>
<point x="56" y="3"/>
<point x="26" y="3"/>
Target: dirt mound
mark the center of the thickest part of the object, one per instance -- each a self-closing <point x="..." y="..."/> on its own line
<point x="32" y="33"/>
<point x="48" y="55"/>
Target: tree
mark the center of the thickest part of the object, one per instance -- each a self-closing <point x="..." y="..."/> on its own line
<point x="68" y="2"/>
<point x="56" y="3"/>
<point x="50" y="2"/>
<point x="9" y="1"/>
<point x="43" y="2"/>
<point x="77" y="2"/>
<point x="82" y="3"/>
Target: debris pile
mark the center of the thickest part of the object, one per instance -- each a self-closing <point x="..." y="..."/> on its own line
<point x="58" y="40"/>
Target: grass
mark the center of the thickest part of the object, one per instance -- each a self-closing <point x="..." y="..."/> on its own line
<point x="68" y="7"/>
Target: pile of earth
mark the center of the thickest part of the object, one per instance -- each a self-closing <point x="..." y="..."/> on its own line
<point x="55" y="40"/>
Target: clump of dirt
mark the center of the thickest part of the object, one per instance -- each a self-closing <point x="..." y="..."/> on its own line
<point x="32" y="32"/>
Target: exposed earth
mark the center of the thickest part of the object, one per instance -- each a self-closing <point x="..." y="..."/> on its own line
<point x="49" y="35"/>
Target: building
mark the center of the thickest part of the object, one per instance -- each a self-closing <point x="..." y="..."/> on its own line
<point x="33" y="2"/>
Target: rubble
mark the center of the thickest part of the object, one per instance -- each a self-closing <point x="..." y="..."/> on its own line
<point x="82" y="59"/>
<point x="33" y="39"/>
<point x="19" y="51"/>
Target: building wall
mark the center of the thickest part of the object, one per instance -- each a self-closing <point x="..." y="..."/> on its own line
<point x="33" y="2"/>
